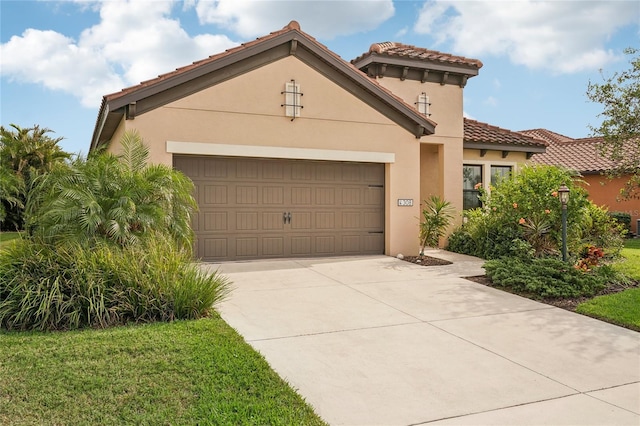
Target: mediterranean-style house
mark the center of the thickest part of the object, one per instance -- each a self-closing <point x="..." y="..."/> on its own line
<point x="296" y="152"/>
<point x="583" y="156"/>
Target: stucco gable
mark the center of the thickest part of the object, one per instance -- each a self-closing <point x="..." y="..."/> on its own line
<point x="290" y="41"/>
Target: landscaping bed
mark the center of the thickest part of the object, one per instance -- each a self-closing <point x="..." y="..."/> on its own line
<point x="426" y="260"/>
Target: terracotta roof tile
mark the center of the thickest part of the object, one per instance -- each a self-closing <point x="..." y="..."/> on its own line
<point x="293" y="25"/>
<point x="478" y="132"/>
<point x="412" y="52"/>
<point x="581" y="155"/>
<point x="547" y="135"/>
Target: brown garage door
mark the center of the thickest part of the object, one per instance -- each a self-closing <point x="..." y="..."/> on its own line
<point x="269" y="208"/>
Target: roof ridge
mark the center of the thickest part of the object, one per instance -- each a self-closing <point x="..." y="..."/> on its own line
<point x="392" y="48"/>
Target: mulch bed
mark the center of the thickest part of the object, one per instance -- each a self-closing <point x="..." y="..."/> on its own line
<point x="426" y="260"/>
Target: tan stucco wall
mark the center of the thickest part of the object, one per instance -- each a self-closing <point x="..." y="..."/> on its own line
<point x="441" y="158"/>
<point x="246" y="111"/>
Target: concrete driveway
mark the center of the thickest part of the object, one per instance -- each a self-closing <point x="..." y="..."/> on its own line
<point x="379" y="341"/>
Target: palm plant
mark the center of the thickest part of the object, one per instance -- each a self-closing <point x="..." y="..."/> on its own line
<point x="114" y="198"/>
<point x="25" y="153"/>
<point x="436" y="216"/>
<point x="11" y="189"/>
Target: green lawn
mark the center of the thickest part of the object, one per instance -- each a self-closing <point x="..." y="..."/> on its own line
<point x="188" y="372"/>
<point x="8" y="236"/>
<point x="631" y="265"/>
<point x="621" y="308"/>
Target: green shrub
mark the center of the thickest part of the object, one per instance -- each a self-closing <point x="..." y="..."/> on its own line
<point x="624" y="219"/>
<point x="436" y="216"/>
<point x="65" y="286"/>
<point x="598" y="228"/>
<point x="547" y="277"/>
<point x="525" y="207"/>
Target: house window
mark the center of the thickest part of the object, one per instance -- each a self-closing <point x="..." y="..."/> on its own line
<point x="471" y="184"/>
<point x="499" y="173"/>
<point x="423" y="104"/>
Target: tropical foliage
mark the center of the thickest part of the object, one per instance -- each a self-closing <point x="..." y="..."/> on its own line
<point x="521" y="217"/>
<point x="25" y="154"/>
<point x="436" y="217"/>
<point x="113" y="198"/>
<point x="109" y="243"/>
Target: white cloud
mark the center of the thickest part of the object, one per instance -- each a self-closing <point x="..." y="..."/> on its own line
<point x="491" y="101"/>
<point x="402" y="32"/>
<point x="323" y="19"/>
<point x="134" y="41"/>
<point x="563" y="36"/>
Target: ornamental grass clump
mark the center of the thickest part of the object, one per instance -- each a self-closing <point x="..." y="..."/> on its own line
<point x="65" y="286"/>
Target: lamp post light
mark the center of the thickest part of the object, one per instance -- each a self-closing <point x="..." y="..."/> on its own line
<point x="563" y="193"/>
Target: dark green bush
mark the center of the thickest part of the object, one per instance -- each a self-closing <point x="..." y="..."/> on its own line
<point x="546" y="277"/>
<point x="624" y="219"/>
<point x="65" y="286"/>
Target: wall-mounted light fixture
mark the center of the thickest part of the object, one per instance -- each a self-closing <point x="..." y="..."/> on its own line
<point x="292" y="99"/>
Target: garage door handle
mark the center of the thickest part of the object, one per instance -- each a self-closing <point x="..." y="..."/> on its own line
<point x="286" y="217"/>
<point x="289" y="217"/>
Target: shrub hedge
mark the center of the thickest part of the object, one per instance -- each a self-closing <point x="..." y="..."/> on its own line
<point x="547" y="277"/>
<point x="65" y="286"/>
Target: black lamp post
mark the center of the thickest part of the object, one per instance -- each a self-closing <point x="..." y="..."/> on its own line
<point x="563" y="193"/>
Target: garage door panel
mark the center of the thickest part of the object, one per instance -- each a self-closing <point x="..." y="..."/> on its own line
<point x="247" y="247"/>
<point x="325" y="245"/>
<point x="351" y="220"/>
<point x="301" y="245"/>
<point x="273" y="246"/>
<point x="216" y="221"/>
<point x="301" y="220"/>
<point x="214" y="194"/>
<point x="247" y="194"/>
<point x="325" y="196"/>
<point x="245" y="205"/>
<point x="246" y="169"/>
<point x="351" y="244"/>
<point x="325" y="220"/>
<point x="374" y="196"/>
<point x="273" y="195"/>
<point x="272" y="221"/>
<point x="214" y="248"/>
<point x="301" y="196"/>
<point x="213" y="168"/>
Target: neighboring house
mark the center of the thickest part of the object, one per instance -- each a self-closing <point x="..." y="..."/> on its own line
<point x="296" y="152"/>
<point x="582" y="155"/>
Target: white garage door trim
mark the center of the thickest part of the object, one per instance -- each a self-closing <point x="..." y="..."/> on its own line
<point x="198" y="148"/>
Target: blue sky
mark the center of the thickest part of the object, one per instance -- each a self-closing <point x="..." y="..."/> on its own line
<point x="58" y="58"/>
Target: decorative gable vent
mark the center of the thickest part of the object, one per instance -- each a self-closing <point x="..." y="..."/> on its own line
<point x="423" y="104"/>
<point x="292" y="100"/>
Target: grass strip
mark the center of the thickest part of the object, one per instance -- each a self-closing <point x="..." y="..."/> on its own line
<point x="186" y="372"/>
<point x="620" y="308"/>
<point x="5" y="237"/>
<point x="630" y="266"/>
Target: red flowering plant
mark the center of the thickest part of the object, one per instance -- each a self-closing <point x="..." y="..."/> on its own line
<point x="589" y="258"/>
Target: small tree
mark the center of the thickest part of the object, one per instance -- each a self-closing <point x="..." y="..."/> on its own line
<point x="436" y="216"/>
<point x="620" y="127"/>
